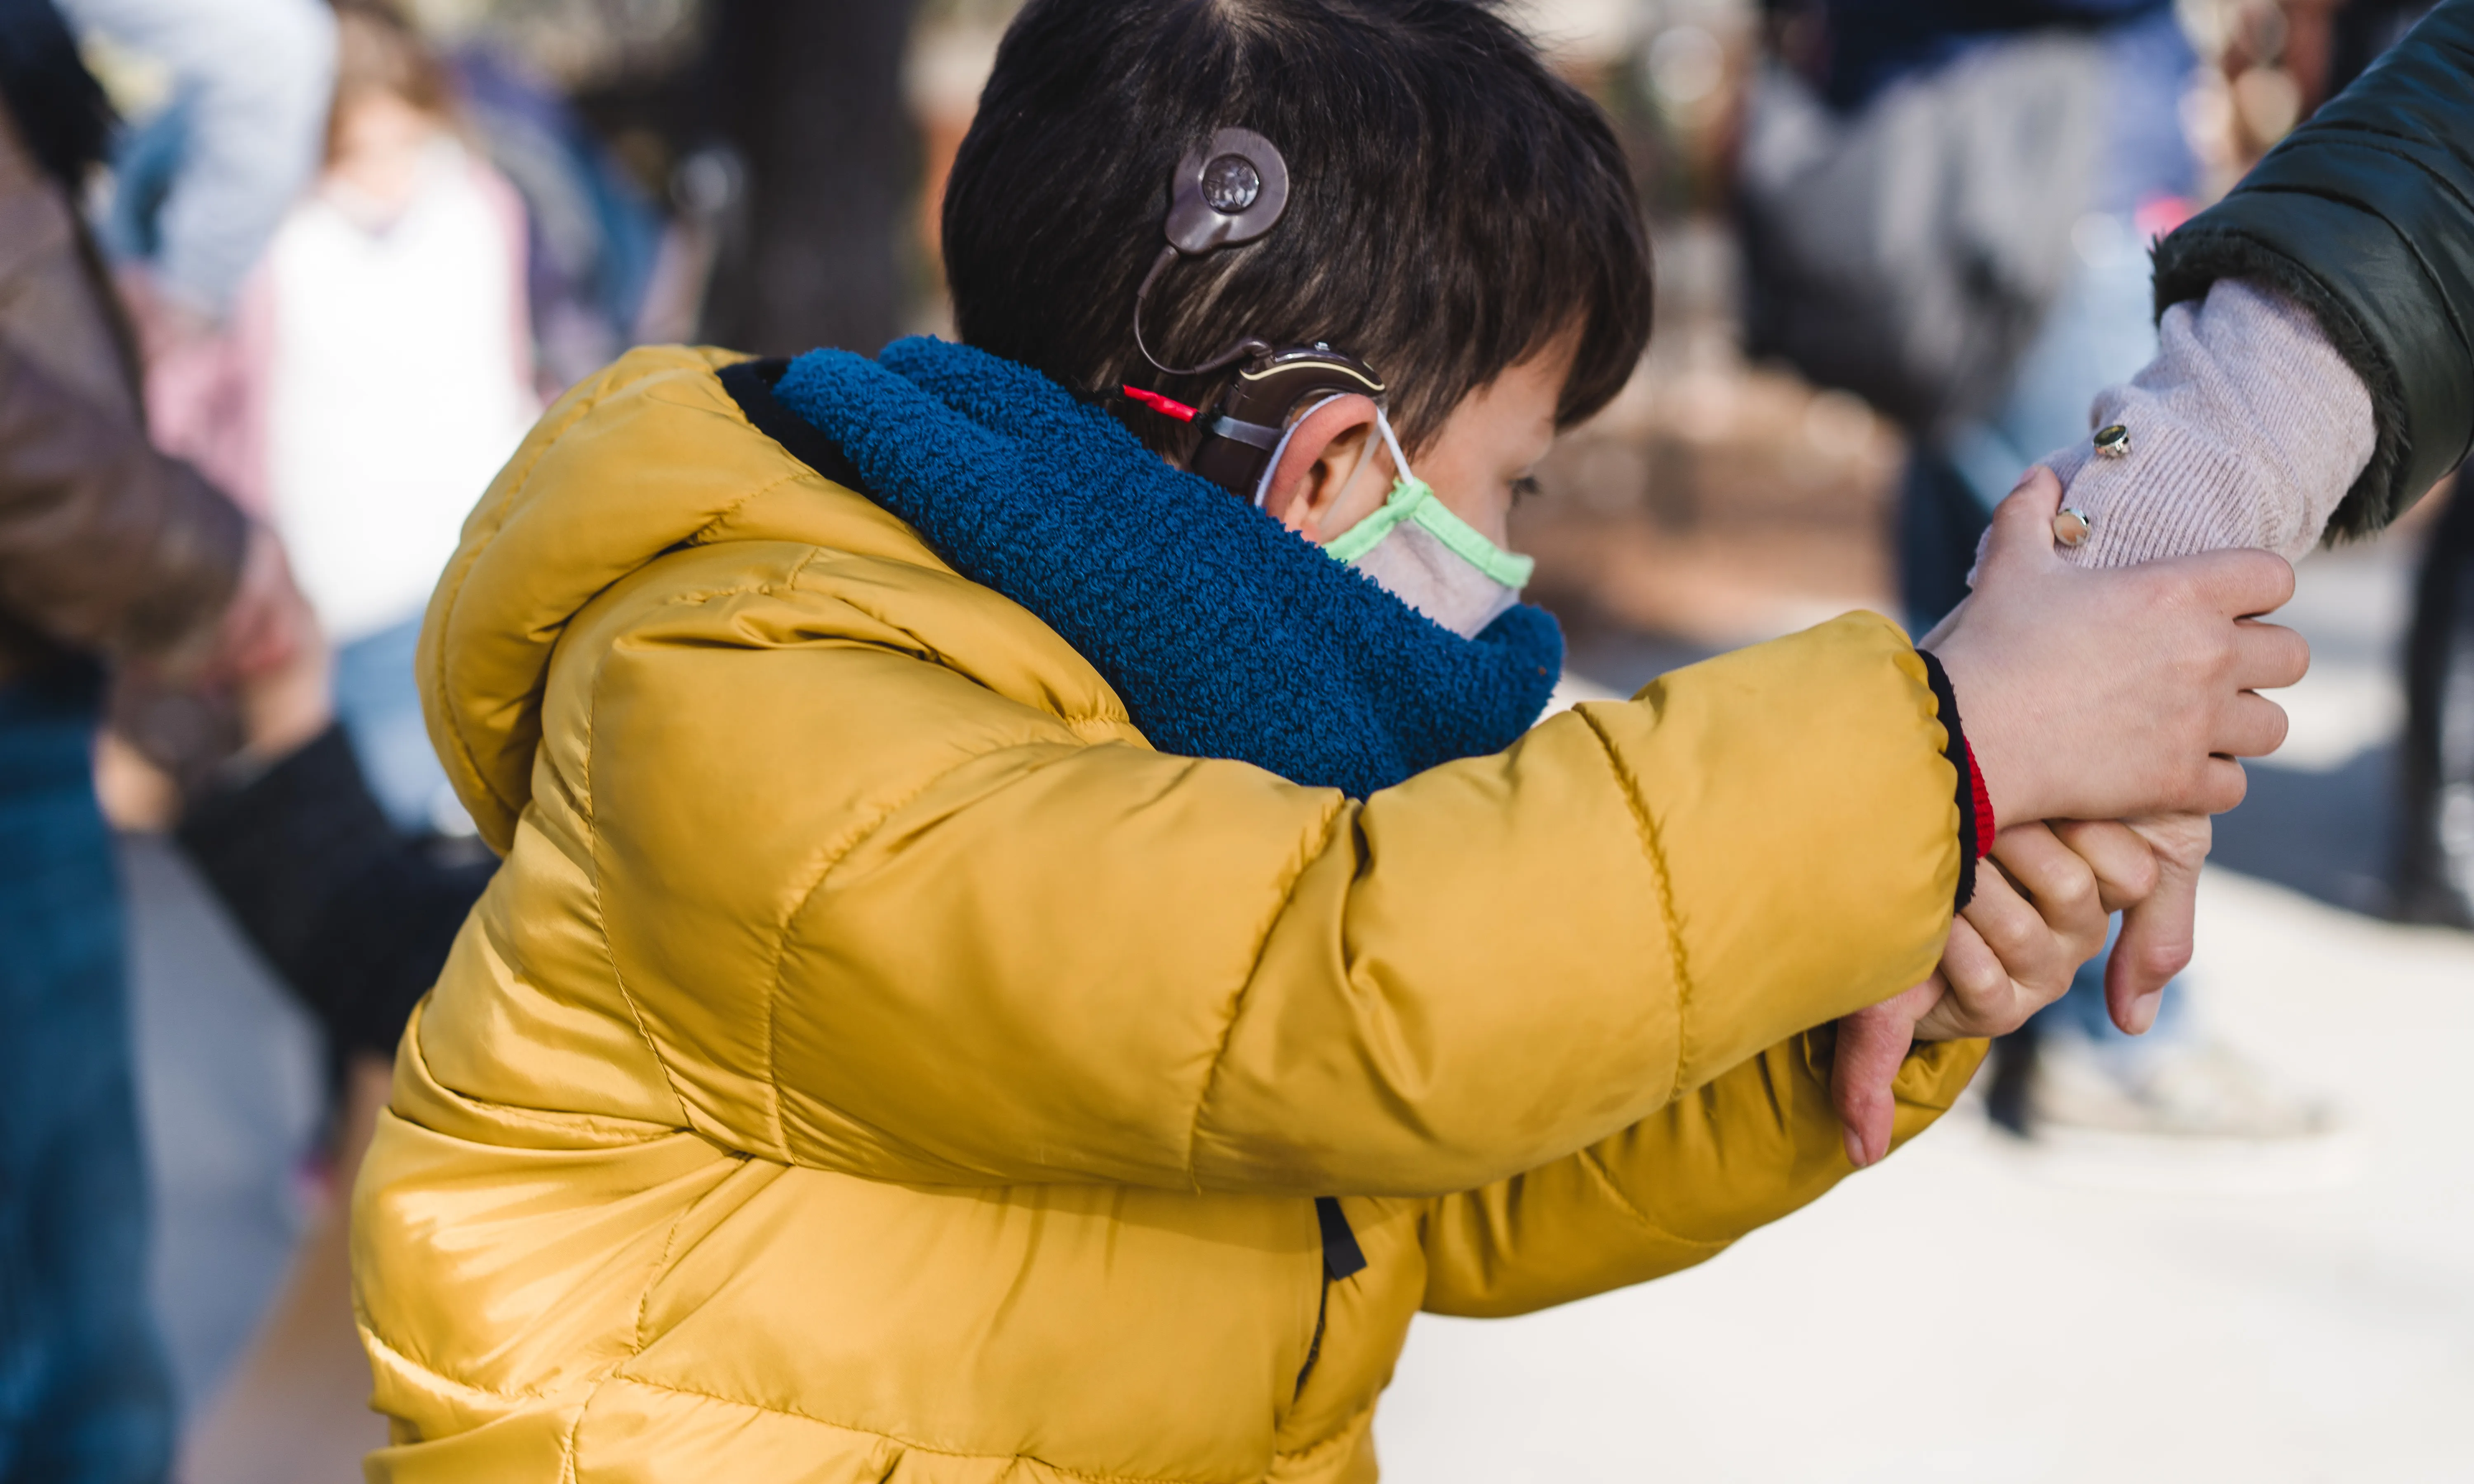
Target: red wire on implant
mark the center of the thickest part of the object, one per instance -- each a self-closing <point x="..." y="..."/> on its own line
<point x="1165" y="406"/>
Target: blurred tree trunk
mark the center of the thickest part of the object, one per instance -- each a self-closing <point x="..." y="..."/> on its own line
<point x="809" y="94"/>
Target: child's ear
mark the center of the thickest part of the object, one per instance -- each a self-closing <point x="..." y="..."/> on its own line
<point x="1321" y="485"/>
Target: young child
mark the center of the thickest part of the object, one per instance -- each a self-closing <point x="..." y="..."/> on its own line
<point x="1011" y="963"/>
<point x="379" y="371"/>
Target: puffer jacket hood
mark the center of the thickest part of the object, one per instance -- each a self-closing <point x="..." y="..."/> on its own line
<point x="874" y="1060"/>
<point x="531" y="559"/>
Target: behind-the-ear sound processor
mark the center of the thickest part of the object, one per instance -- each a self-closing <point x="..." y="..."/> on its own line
<point x="1230" y="190"/>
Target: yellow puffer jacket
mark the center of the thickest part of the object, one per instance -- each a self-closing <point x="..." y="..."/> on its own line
<point x="874" y="1062"/>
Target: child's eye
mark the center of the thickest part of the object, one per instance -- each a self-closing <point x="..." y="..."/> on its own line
<point x="1524" y="488"/>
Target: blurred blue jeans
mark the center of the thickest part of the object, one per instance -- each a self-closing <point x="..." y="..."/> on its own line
<point x="84" y="1394"/>
<point x="2100" y="332"/>
<point x="378" y="702"/>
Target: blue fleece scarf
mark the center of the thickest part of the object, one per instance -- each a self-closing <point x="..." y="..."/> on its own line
<point x="1226" y="634"/>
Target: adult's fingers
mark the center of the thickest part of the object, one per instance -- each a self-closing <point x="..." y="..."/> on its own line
<point x="2250" y="725"/>
<point x="1872" y="1042"/>
<point x="2215" y="788"/>
<point x="2123" y="863"/>
<point x="2241" y="582"/>
<point x="2158" y="933"/>
<point x="2269" y="657"/>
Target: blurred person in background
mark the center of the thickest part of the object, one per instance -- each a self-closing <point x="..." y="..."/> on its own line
<point x="1945" y="209"/>
<point x="596" y="251"/>
<point x="810" y="97"/>
<point x="356" y="916"/>
<point x="225" y="157"/>
<point x="2309" y="53"/>
<point x="111" y="555"/>
<point x="2435" y="847"/>
<point x="378" y="371"/>
<point x="235" y="95"/>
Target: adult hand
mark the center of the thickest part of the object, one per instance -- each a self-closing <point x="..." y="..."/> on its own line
<point x="2117" y="693"/>
<point x="267" y="622"/>
<point x="2042" y="901"/>
<point x="285" y="706"/>
<point x="277" y="668"/>
<point x="2157" y="933"/>
<point x="260" y="680"/>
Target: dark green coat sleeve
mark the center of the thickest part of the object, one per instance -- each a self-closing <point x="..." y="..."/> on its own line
<point x="2366" y="215"/>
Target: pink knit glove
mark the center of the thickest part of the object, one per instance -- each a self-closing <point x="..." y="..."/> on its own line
<point x="2246" y="430"/>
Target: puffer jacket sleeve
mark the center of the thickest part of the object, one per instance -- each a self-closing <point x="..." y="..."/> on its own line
<point x="2366" y="216"/>
<point x="1022" y="956"/>
<point x="1672" y="1190"/>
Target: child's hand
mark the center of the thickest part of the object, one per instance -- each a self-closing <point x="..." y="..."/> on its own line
<point x="267" y="622"/>
<point x="2041" y="907"/>
<point x="2118" y="693"/>
<point x="2156" y="934"/>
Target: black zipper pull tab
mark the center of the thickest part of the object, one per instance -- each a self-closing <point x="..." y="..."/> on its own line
<point x="1342" y="1256"/>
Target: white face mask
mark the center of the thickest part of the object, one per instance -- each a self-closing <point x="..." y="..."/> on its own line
<point x="1421" y="553"/>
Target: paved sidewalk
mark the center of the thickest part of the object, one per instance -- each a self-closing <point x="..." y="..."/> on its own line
<point x="1956" y="1315"/>
<point x="231" y="1087"/>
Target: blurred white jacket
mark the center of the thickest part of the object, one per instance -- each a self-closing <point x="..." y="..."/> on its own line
<point x="399" y="381"/>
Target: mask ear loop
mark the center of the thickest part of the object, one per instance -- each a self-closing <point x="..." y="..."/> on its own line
<point x="1263" y="485"/>
<point x="1399" y="460"/>
<point x="1408" y="494"/>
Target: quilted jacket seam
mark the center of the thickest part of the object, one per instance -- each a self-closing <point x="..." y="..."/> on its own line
<point x="1305" y="859"/>
<point x="370" y="1337"/>
<point x="1655" y="849"/>
<point x="930" y="654"/>
<point x="1343" y="1433"/>
<point x="631" y="1129"/>
<point x="600" y="910"/>
<point x="746" y="497"/>
<point x="566" y="1465"/>
<point x="907" y="1444"/>
<point x="781" y="951"/>
<point x="807" y="897"/>
<point x="452" y="585"/>
<point x="593" y="1382"/>
<point x="1604" y="1180"/>
<point x="644" y="1308"/>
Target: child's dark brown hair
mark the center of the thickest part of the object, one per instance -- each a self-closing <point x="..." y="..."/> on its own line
<point x="1454" y="206"/>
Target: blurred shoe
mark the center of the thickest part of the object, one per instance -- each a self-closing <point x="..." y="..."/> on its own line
<point x="2194" y="1116"/>
<point x="2428" y="898"/>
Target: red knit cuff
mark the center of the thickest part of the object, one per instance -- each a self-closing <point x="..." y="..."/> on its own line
<point x="1984" y="822"/>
